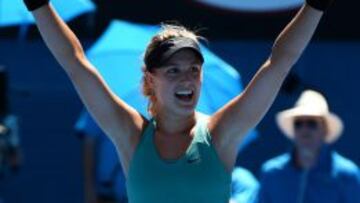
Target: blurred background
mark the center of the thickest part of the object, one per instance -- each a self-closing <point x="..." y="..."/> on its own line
<point x="41" y="97"/>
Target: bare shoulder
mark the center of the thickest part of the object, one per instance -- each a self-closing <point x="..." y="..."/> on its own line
<point x="126" y="143"/>
<point x="129" y="132"/>
<point x="225" y="147"/>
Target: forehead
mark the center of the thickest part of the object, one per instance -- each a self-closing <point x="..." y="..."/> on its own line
<point x="184" y="56"/>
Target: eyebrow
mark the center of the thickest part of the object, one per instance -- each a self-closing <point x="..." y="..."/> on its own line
<point x="196" y="61"/>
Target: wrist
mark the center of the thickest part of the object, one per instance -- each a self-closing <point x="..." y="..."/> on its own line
<point x="320" y="5"/>
<point x="32" y="5"/>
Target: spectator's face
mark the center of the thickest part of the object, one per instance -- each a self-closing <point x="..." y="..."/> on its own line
<point x="177" y="84"/>
<point x="310" y="132"/>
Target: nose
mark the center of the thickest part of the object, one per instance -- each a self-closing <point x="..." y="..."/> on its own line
<point x="184" y="77"/>
<point x="188" y="76"/>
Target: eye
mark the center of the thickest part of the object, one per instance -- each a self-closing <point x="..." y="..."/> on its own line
<point x="172" y="71"/>
<point x="195" y="69"/>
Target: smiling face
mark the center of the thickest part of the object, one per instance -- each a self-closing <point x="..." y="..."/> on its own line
<point x="176" y="85"/>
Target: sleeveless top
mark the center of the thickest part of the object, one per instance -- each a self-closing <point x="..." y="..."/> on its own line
<point x="198" y="176"/>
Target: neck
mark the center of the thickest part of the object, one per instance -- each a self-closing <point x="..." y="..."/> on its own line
<point x="306" y="158"/>
<point x="168" y="124"/>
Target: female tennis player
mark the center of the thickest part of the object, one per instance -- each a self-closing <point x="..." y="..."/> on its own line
<point x="179" y="155"/>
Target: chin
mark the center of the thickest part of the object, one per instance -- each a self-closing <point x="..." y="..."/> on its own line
<point x="184" y="111"/>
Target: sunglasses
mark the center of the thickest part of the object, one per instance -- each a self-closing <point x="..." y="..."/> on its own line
<point x="308" y="123"/>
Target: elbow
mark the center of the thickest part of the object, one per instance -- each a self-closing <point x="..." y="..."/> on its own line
<point x="284" y="55"/>
<point x="75" y="55"/>
<point x="71" y="53"/>
<point x="278" y="68"/>
<point x="75" y="64"/>
<point x="69" y="56"/>
<point x="79" y="55"/>
<point x="283" y="64"/>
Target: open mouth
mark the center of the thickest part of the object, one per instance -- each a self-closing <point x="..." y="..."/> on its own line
<point x="185" y="95"/>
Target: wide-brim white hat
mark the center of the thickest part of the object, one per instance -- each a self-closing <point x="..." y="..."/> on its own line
<point x="311" y="103"/>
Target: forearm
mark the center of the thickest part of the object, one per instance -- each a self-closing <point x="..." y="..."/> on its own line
<point x="292" y="41"/>
<point x="58" y="37"/>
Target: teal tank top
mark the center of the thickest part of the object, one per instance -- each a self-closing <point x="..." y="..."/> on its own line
<point x="199" y="176"/>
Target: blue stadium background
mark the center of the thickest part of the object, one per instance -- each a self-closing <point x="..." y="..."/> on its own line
<point x="44" y="99"/>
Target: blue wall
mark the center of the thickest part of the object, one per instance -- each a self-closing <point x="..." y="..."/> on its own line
<point x="43" y="98"/>
<point x="48" y="106"/>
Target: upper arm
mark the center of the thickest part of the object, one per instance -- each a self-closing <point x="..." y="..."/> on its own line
<point x="351" y="186"/>
<point x="236" y="118"/>
<point x="117" y="119"/>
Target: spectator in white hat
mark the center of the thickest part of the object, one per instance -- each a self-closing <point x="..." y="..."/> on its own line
<point x="312" y="172"/>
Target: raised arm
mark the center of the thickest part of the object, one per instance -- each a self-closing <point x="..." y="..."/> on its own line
<point x="115" y="117"/>
<point x="231" y="123"/>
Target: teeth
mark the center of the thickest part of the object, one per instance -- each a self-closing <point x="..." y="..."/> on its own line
<point x="184" y="92"/>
